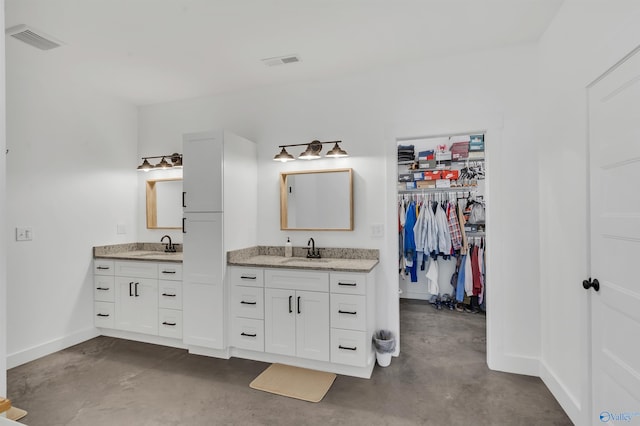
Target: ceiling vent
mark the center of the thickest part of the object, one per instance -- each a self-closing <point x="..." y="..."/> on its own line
<point x="35" y="38"/>
<point x="281" y="60"/>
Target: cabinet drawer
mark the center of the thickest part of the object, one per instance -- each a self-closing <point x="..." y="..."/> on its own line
<point x="103" y="267"/>
<point x="170" y="294"/>
<point x="350" y="347"/>
<point x="291" y="279"/>
<point x="248" y="334"/>
<point x="137" y="269"/>
<point x="104" y="314"/>
<point x="247" y="302"/>
<point x="170" y="323"/>
<point x="348" y="311"/>
<point x="103" y="288"/>
<point x="348" y="283"/>
<point x="170" y="271"/>
<point x="246" y="276"/>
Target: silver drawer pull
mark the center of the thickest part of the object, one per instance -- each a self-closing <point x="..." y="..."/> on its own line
<point x="248" y="335"/>
<point x="103" y="315"/>
<point x="347" y="348"/>
<point x="248" y="277"/>
<point x="348" y="284"/>
<point x="248" y="303"/>
<point x="172" y="324"/>
<point x="168" y="272"/>
<point x="102" y="288"/>
<point x="168" y="295"/>
<point x="348" y="312"/>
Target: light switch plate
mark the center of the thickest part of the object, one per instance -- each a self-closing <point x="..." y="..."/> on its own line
<point x="24" y="233"/>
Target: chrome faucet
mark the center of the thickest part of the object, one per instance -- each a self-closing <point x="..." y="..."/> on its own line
<point x="169" y="248"/>
<point x="312" y="252"/>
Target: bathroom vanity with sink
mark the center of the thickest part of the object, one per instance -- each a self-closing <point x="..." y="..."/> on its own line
<point x="315" y="313"/>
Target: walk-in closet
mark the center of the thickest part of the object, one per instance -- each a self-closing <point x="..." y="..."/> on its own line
<point x="442" y="239"/>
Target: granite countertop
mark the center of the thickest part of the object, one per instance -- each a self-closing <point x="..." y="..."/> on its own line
<point x="346" y="260"/>
<point x="152" y="252"/>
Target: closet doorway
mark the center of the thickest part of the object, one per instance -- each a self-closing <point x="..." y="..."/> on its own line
<point x="441" y="202"/>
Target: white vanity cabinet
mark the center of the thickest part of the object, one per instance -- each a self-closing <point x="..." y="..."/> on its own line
<point x="247" y="308"/>
<point x="352" y="321"/>
<point x="297" y="313"/>
<point x="103" y="293"/>
<point x="170" y="300"/>
<point x="219" y="178"/>
<point x="138" y="296"/>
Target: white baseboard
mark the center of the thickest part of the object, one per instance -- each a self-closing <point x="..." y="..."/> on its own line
<point x="27" y="355"/>
<point x="569" y="403"/>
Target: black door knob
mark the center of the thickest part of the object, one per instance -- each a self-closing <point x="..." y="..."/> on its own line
<point x="591" y="283"/>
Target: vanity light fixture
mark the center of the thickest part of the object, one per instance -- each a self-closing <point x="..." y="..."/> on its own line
<point x="312" y="152"/>
<point x="175" y="162"/>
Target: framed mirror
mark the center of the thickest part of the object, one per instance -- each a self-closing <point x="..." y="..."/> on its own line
<point x="164" y="203"/>
<point x="317" y="200"/>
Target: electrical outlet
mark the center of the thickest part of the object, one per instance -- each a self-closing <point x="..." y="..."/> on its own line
<point x="121" y="229"/>
<point x="24" y="234"/>
<point x="377" y="230"/>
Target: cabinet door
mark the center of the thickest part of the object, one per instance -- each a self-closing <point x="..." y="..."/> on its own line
<point x="202" y="173"/>
<point x="312" y="325"/>
<point x="280" y="321"/>
<point x="203" y="289"/>
<point x="136" y="306"/>
<point x="203" y="315"/>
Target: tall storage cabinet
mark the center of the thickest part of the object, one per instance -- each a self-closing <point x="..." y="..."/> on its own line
<point x="220" y="182"/>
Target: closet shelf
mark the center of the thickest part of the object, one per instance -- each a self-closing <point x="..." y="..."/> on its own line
<point x="452" y="189"/>
<point x="463" y="161"/>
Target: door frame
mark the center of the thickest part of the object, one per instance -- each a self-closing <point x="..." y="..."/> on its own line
<point x="455" y="124"/>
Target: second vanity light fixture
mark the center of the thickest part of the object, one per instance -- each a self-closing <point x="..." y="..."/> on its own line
<point x="175" y="162"/>
<point x="312" y="152"/>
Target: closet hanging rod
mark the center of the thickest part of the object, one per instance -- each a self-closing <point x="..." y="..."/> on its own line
<point x="428" y="190"/>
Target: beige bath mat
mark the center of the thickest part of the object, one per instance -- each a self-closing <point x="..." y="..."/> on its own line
<point x="294" y="382"/>
<point x="15" y="413"/>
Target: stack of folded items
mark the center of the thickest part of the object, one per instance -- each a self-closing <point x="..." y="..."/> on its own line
<point x="406" y="153"/>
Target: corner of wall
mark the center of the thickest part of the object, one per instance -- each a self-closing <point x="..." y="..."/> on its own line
<point x="3" y="239"/>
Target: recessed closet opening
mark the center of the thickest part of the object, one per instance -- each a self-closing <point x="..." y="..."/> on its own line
<point x="441" y="202"/>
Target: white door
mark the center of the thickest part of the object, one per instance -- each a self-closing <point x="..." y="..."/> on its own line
<point x="203" y="287"/>
<point x="312" y="325"/>
<point x="202" y="173"/>
<point x="279" y="321"/>
<point x="614" y="137"/>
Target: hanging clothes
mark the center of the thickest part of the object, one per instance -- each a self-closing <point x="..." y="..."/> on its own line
<point x="475" y="271"/>
<point x="409" y="242"/>
<point x="432" y="277"/>
<point x="464" y="249"/>
<point x="443" y="236"/>
<point x="461" y="279"/>
<point x="454" y="227"/>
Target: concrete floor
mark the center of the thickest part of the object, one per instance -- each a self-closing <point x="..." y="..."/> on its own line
<point x="440" y="378"/>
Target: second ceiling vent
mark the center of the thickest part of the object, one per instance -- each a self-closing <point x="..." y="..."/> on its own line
<point x="281" y="60"/>
<point x="33" y="37"/>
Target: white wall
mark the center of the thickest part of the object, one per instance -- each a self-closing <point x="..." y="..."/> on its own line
<point x="3" y="213"/>
<point x="486" y="90"/>
<point x="584" y="40"/>
<point x="71" y="177"/>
